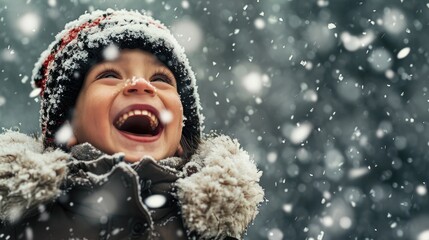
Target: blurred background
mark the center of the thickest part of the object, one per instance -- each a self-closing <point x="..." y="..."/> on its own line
<point x="328" y="96"/>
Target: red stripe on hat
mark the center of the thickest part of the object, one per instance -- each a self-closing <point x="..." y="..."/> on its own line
<point x="70" y="36"/>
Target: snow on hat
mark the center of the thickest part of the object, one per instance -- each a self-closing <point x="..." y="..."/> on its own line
<point x="59" y="73"/>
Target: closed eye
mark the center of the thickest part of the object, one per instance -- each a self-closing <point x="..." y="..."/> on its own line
<point x="109" y="74"/>
<point x="161" y="78"/>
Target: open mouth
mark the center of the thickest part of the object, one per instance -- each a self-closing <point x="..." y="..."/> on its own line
<point x="139" y="122"/>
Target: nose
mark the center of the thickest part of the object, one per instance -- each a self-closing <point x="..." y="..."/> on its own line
<point x="139" y="86"/>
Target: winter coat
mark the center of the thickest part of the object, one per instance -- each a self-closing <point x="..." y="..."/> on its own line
<point x="85" y="194"/>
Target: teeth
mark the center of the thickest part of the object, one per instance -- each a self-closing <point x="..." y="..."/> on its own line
<point x="153" y="119"/>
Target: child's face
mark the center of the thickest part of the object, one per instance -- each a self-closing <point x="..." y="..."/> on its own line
<point x="121" y="104"/>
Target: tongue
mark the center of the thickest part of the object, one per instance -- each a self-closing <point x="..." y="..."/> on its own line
<point x="138" y="125"/>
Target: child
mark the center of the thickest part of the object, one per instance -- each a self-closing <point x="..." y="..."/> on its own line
<point x="137" y="165"/>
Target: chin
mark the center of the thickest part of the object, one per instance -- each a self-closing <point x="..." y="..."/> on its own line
<point x="132" y="159"/>
<point x="137" y="157"/>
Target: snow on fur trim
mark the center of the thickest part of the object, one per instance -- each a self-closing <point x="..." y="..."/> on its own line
<point x="24" y="170"/>
<point x="222" y="197"/>
<point x="219" y="189"/>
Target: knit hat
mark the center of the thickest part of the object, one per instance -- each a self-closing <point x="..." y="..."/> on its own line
<point x="61" y="69"/>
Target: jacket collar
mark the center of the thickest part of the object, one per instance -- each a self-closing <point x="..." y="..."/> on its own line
<point x="218" y="189"/>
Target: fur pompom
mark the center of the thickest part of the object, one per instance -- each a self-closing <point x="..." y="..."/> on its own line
<point x="222" y="194"/>
<point x="24" y="170"/>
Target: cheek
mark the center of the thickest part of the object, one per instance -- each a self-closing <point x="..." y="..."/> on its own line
<point x="177" y="110"/>
<point x="78" y="120"/>
<point x="89" y="113"/>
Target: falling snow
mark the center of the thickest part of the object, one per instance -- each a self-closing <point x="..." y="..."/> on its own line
<point x="166" y="116"/>
<point x="2" y="100"/>
<point x="111" y="52"/>
<point x="29" y="23"/>
<point x="35" y="92"/>
<point x="330" y="98"/>
<point x="300" y="132"/>
<point x="423" y="235"/>
<point x="155" y="201"/>
<point x="275" y="234"/>
<point x="252" y="82"/>
<point x="403" y="53"/>
<point x="421" y="190"/>
<point x="331" y="26"/>
<point x="189" y="34"/>
<point x="64" y="134"/>
<point x="259" y="23"/>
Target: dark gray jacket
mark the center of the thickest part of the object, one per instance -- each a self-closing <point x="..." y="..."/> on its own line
<point x="86" y="194"/>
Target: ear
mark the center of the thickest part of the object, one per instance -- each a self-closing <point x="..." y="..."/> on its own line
<point x="179" y="151"/>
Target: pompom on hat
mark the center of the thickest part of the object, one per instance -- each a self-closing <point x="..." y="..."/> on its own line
<point x="61" y="69"/>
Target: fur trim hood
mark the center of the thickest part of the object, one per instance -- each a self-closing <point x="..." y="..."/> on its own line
<point x="218" y="189"/>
